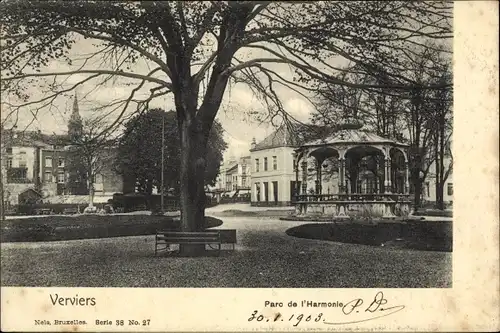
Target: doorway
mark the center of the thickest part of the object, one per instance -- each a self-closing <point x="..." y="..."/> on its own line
<point x="266" y="191"/>
<point x="275" y="192"/>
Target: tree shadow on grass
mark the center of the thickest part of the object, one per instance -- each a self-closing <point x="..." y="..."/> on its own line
<point x="433" y="236"/>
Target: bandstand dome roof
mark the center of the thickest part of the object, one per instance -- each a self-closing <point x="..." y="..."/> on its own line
<point x="353" y="135"/>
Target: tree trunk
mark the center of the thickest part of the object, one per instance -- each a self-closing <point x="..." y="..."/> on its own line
<point x="91" y="195"/>
<point x="149" y="193"/>
<point x="437" y="167"/>
<point x="441" y="159"/>
<point x="192" y="193"/>
<point x="417" y="194"/>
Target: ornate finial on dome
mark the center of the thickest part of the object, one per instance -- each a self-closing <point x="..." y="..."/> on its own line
<point x="349" y="125"/>
<point x="253" y="144"/>
<point x="350" y="122"/>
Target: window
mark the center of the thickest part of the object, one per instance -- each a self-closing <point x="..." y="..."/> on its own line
<point x="48" y="162"/>
<point x="48" y="176"/>
<point x="9" y="163"/>
<point x="450" y="189"/>
<point x="9" y="150"/>
<point x="265" y="163"/>
<point x="61" y="163"/>
<point x="22" y="159"/>
<point x="275" y="163"/>
<point x="60" y="177"/>
<point x="427" y="189"/>
<point x="257" y="165"/>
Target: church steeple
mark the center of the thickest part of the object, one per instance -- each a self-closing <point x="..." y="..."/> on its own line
<point x="75" y="125"/>
<point x="75" y="115"/>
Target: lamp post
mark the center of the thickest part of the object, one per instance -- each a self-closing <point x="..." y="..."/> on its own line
<point x="296" y="170"/>
<point x="162" y="159"/>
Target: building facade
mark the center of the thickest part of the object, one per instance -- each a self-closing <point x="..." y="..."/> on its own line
<point x="429" y="188"/>
<point x="34" y="166"/>
<point x="234" y="178"/>
<point x="273" y="177"/>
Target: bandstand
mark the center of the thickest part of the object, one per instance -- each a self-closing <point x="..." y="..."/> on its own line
<point x="352" y="172"/>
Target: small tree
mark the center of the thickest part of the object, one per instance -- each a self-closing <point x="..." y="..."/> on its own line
<point x="90" y="151"/>
<point x="442" y="130"/>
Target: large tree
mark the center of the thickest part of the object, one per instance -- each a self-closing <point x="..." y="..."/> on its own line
<point x="194" y="50"/>
<point x="420" y="116"/>
<point x="143" y="162"/>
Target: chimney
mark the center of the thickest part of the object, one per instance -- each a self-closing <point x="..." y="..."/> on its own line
<point x="252" y="146"/>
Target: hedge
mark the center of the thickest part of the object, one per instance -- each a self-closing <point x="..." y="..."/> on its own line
<point x="433" y="212"/>
<point x="54" y="228"/>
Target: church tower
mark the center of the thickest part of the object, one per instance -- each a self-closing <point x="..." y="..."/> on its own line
<point x="77" y="179"/>
<point x="75" y="124"/>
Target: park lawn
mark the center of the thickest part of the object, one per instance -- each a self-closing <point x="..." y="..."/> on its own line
<point x="53" y="228"/>
<point x="265" y="257"/>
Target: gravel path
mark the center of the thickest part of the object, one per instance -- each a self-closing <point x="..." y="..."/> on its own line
<point x="264" y="257"/>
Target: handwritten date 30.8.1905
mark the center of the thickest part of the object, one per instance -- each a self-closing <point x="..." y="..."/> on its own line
<point x="296" y="318"/>
<point x="354" y="311"/>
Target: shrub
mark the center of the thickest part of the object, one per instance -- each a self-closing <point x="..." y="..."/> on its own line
<point x="56" y="208"/>
<point x="433" y="212"/>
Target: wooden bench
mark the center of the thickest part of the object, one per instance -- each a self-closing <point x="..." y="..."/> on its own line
<point x="228" y="236"/>
<point x="166" y="237"/>
<point x="70" y="211"/>
<point x="43" y="211"/>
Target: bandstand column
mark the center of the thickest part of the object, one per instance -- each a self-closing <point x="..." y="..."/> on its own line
<point x="342" y="175"/>
<point x="318" y="177"/>
<point x="304" y="177"/>
<point x="406" y="179"/>
<point x="388" y="174"/>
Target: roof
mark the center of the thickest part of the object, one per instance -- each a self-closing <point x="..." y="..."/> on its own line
<point x="31" y="139"/>
<point x="353" y="135"/>
<point x="282" y="137"/>
<point x="232" y="168"/>
<point x="290" y="135"/>
<point x="295" y="135"/>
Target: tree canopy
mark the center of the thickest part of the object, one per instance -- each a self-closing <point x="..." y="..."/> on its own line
<point x="140" y="151"/>
<point x="421" y="118"/>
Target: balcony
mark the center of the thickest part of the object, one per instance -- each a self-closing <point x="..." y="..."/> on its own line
<point x="18" y="176"/>
<point x="351" y="198"/>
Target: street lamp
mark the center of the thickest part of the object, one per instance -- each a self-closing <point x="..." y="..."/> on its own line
<point x="296" y="170"/>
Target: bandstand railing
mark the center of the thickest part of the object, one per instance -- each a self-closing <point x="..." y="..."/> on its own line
<point x="351" y="197"/>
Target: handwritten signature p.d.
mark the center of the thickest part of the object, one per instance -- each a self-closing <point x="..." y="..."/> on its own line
<point x="360" y="311"/>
